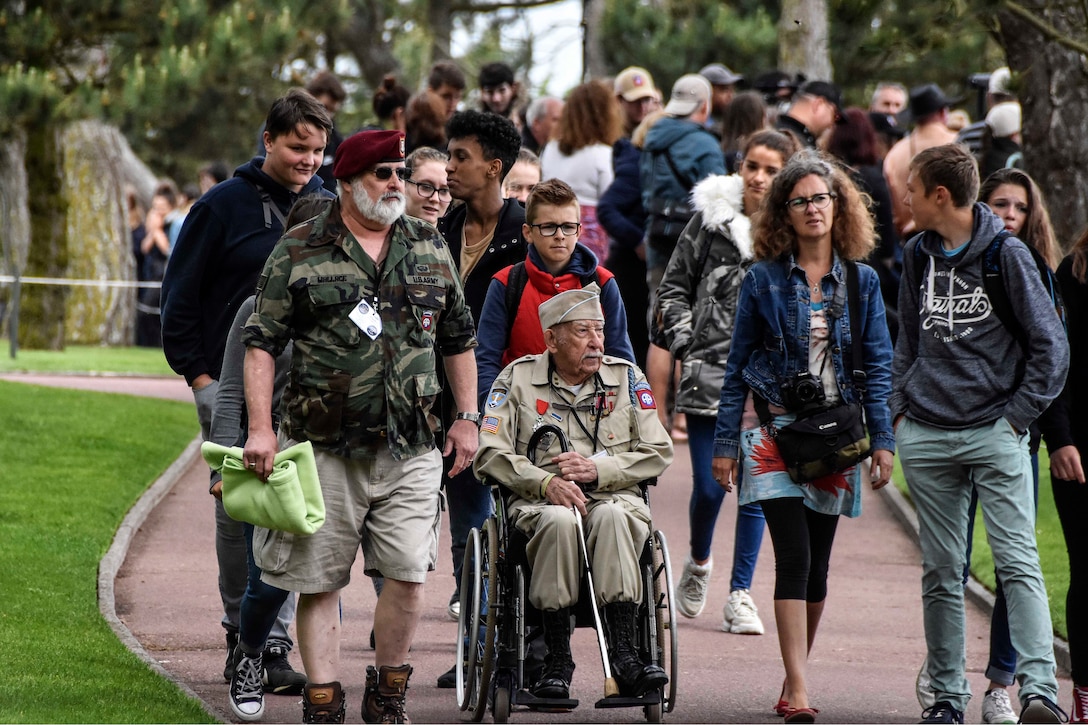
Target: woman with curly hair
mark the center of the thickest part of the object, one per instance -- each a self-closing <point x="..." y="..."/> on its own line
<point x="792" y="334"/>
<point x="581" y="154"/>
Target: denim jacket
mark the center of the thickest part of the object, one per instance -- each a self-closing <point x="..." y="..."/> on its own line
<point x="770" y="344"/>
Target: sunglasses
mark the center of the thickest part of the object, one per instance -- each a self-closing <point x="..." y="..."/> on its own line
<point x="385" y="173"/>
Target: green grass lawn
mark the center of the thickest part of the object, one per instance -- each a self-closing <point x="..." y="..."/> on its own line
<point x="74" y="463"/>
<point x="87" y="359"/>
<point x="1052" y="551"/>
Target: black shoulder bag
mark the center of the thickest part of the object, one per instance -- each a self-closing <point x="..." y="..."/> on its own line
<point x="826" y="440"/>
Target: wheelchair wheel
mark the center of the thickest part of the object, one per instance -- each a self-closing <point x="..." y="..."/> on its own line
<point x="501" y="709"/>
<point x="468" y="623"/>
<point x="489" y="543"/>
<point x="665" y="609"/>
<point x="653" y="713"/>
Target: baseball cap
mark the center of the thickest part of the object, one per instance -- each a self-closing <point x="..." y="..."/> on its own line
<point x="720" y="75"/>
<point x="827" y="91"/>
<point x="688" y="93"/>
<point x="634" y="83"/>
<point x="1004" y="119"/>
<point x="927" y="99"/>
<point x="999" y="82"/>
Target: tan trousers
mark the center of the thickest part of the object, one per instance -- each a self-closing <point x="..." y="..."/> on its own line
<point x="617" y="528"/>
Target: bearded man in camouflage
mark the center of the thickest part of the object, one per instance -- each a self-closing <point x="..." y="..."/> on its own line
<point x="370" y="297"/>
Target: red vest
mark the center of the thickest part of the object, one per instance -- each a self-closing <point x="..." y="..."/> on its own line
<point x="526" y="337"/>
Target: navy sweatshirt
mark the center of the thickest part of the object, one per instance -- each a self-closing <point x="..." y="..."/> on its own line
<point x="220" y="253"/>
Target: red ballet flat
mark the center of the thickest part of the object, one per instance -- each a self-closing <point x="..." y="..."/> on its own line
<point x="801" y="715"/>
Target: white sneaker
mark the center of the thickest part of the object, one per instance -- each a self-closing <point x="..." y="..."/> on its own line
<point x="740" y="615"/>
<point x="996" y="707"/>
<point x="691" y="589"/>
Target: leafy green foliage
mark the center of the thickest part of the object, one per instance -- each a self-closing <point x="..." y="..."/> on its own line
<point x="74" y="463"/>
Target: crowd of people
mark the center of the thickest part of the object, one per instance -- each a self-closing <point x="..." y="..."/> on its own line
<point x="715" y="267"/>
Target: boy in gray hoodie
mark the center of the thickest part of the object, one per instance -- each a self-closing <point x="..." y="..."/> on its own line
<point x="964" y="391"/>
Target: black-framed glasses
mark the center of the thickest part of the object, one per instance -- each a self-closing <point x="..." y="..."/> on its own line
<point x="385" y="173"/>
<point x="548" y="230"/>
<point x="427" y="190"/>
<point x="820" y="201"/>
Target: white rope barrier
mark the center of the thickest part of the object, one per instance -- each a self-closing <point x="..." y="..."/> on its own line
<point x="8" y="279"/>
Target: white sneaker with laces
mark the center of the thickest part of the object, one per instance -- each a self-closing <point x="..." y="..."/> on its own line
<point x="246" y="688"/>
<point x="691" y="589"/>
<point x="997" y="708"/>
<point x="740" y="615"/>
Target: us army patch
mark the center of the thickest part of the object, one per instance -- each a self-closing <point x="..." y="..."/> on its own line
<point x="429" y="280"/>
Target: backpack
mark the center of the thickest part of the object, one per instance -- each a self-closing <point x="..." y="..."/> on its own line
<point x="994" y="285"/>
<point x="515" y="284"/>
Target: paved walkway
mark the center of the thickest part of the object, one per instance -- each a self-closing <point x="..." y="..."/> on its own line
<point x="862" y="669"/>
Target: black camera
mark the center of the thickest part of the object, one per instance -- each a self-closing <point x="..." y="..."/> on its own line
<point x="804" y="390"/>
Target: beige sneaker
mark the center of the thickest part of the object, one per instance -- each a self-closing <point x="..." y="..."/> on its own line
<point x="691" y="589"/>
<point x="740" y="615"/>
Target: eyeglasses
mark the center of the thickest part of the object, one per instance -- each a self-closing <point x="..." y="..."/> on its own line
<point x="385" y="173"/>
<point x="820" y="201"/>
<point x="583" y="331"/>
<point x="428" y="190"/>
<point x="570" y="229"/>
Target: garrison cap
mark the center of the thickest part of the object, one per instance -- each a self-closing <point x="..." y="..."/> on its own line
<point x="574" y="304"/>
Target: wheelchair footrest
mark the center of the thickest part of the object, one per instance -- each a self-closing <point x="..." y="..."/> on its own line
<point x="650" y="698"/>
<point x="528" y="699"/>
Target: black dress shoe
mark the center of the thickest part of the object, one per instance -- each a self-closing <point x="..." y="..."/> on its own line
<point x="448" y="679"/>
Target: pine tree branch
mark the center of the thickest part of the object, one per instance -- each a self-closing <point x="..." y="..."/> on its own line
<point x="1045" y="28"/>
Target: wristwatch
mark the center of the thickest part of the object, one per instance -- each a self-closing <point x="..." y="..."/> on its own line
<point x="470" y="417"/>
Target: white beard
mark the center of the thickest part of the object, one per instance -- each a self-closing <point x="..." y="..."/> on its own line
<point x="384" y="211"/>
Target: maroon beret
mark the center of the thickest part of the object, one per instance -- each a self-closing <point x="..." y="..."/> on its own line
<point x="365" y="150"/>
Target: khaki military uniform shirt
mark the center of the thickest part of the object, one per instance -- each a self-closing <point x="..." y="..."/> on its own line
<point x="346" y="392"/>
<point x="620" y="407"/>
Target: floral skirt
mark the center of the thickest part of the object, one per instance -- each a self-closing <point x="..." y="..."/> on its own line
<point x="593" y="234"/>
<point x="765" y="475"/>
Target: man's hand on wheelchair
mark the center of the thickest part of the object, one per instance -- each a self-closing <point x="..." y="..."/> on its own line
<point x="576" y="467"/>
<point x="566" y="494"/>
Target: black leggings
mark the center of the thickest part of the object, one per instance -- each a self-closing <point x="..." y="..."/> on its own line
<point x="802" y="540"/>
<point x="1071" y="499"/>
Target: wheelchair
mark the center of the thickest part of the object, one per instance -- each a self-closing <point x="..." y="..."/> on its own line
<point x="497" y="622"/>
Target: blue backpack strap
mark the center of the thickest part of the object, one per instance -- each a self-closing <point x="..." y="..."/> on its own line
<point x="994" y="284"/>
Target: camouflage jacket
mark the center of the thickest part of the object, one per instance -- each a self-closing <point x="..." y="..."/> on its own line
<point x="347" y="393"/>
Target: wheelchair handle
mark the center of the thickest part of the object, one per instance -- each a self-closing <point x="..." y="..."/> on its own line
<point x="534" y="440"/>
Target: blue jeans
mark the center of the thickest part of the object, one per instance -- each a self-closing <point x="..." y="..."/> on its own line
<point x="706" y="502"/>
<point x="940" y="467"/>
<point x="264" y="607"/>
<point x="1001" y="667"/>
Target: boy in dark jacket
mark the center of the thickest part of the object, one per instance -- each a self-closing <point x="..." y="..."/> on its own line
<point x="965" y="389"/>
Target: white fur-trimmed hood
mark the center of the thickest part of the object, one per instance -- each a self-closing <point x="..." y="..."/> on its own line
<point x="720" y="198"/>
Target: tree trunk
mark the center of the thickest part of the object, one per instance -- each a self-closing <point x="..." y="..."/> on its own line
<point x="14" y="218"/>
<point x="593" y="62"/>
<point x="802" y="39"/>
<point x="440" y="20"/>
<point x="41" y="308"/>
<point x="1053" y="91"/>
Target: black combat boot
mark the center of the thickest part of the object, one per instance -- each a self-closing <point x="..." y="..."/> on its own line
<point x="558" y="664"/>
<point x="633" y="676"/>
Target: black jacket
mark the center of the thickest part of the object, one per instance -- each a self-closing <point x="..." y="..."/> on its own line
<point x="220" y="252"/>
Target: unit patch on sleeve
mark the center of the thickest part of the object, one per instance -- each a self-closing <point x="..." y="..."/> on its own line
<point x="646" y="400"/>
<point x="497" y="398"/>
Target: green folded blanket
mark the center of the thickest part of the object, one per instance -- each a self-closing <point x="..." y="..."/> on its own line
<point x="291" y="499"/>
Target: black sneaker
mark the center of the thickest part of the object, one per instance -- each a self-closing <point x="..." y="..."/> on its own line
<point x="246" y="692"/>
<point x="1039" y="708"/>
<point x="448" y="679"/>
<point x="232" y="645"/>
<point x="279" y="677"/>
<point x="942" y="712"/>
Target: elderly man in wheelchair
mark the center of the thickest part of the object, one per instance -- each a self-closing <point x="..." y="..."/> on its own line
<point x="605" y="409"/>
